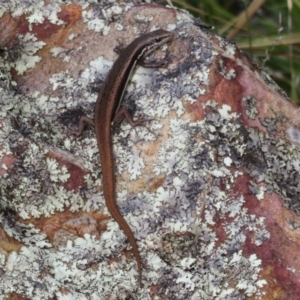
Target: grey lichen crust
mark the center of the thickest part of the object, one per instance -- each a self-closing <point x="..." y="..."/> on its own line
<point x="195" y="159"/>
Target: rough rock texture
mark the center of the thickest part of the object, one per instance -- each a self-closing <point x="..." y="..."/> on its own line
<point x="210" y="187"/>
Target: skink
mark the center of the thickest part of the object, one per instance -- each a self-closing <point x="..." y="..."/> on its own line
<point x="107" y="113"/>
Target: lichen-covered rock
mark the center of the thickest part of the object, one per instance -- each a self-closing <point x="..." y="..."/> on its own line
<point x="210" y="186"/>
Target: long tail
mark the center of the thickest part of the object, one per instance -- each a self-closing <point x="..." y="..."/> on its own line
<point x="114" y="211"/>
<point x="109" y="189"/>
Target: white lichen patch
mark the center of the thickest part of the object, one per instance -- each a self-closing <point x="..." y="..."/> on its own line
<point x="294" y="135"/>
<point x="36" y="16"/>
<point x="293" y="225"/>
<point x="56" y="173"/>
<point x="97" y="25"/>
<point x="68" y="268"/>
<point x="227" y="161"/>
<point x="58" y="51"/>
<point x="28" y="58"/>
<point x="98" y="18"/>
<point x="228" y="46"/>
<point x="51" y="11"/>
<point x="143" y="18"/>
<point x="258" y="190"/>
<point x="251" y="109"/>
<point x="227" y="74"/>
<point x="35" y="11"/>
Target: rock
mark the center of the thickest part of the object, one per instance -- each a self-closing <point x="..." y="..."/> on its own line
<point x="210" y="186"/>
